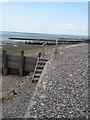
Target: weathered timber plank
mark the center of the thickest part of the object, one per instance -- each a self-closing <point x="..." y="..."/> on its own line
<point x="30" y="60"/>
<point x="13" y="65"/>
<point x="21" y="71"/>
<point x="13" y="58"/>
<point x="21" y="63"/>
<point x="5" y="68"/>
<point x="29" y="68"/>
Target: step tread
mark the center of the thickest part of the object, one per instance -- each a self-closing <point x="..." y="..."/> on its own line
<point x="38" y="70"/>
<point x="42" y="62"/>
<point x="40" y="66"/>
<point x="37" y="74"/>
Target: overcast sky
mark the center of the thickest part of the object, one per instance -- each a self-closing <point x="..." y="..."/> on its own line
<point x="58" y="18"/>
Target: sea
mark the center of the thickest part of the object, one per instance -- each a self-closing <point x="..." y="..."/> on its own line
<point x="4" y="36"/>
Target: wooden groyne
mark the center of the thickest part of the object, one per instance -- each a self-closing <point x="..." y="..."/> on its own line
<point x="54" y="43"/>
<point x="17" y="64"/>
<point x="51" y="41"/>
<point x="20" y="38"/>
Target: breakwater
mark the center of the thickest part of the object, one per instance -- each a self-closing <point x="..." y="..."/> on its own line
<point x="17" y="64"/>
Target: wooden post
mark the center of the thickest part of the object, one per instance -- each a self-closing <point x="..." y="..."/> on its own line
<point x="21" y="64"/>
<point x="5" y="69"/>
<point x="39" y="55"/>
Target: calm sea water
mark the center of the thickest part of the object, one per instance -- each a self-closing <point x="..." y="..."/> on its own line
<point x="6" y="35"/>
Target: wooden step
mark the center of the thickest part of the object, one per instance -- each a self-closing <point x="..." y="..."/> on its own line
<point x="37" y="75"/>
<point x="40" y="67"/>
<point x="40" y="61"/>
<point x="38" y="71"/>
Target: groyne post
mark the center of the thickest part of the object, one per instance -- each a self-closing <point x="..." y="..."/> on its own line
<point x="55" y="51"/>
<point x="39" y="54"/>
<point x="21" y="71"/>
<point x="5" y="67"/>
<point x="43" y="49"/>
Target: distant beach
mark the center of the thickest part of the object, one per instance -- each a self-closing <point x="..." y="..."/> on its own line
<point x="16" y="46"/>
<point x="6" y="35"/>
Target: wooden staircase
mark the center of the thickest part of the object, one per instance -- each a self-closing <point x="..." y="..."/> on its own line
<point x="38" y="69"/>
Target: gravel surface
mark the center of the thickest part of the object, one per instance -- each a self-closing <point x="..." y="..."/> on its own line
<point x="16" y="105"/>
<point x="62" y="91"/>
<point x="9" y="82"/>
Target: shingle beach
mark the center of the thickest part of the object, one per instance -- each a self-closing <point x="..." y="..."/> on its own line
<point x="62" y="91"/>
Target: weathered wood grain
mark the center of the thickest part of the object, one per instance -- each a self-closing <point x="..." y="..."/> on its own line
<point x="13" y="62"/>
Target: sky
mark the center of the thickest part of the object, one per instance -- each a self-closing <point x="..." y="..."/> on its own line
<point x="47" y="17"/>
